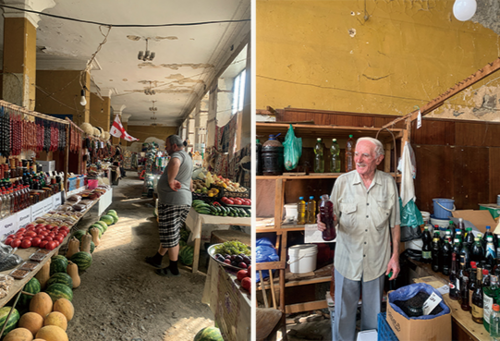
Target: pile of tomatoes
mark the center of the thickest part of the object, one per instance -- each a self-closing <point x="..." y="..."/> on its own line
<point x="236" y="201"/>
<point x="43" y="236"/>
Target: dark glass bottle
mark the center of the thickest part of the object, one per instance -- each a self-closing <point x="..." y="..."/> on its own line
<point x="446" y="257"/>
<point x="469" y="237"/>
<point x="426" y="246"/>
<point x="490" y="295"/>
<point x="464" y="290"/>
<point x="477" y="253"/>
<point x="456" y="247"/>
<point x="486" y="278"/>
<point x="465" y="256"/>
<point x="490" y="251"/>
<point x="472" y="281"/>
<point x="454" y="289"/>
<point x="477" y="300"/>
<point x="436" y="253"/>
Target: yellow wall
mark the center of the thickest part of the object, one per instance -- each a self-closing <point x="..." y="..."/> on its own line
<point x="99" y="111"/>
<point x="143" y="132"/>
<point x="60" y="94"/>
<point x="405" y="54"/>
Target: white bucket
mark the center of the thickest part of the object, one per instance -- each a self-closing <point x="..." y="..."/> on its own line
<point x="443" y="224"/>
<point x="425" y="216"/>
<point x="291" y="212"/>
<point x="302" y="258"/>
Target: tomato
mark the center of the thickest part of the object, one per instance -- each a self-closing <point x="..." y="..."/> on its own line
<point x="22" y="229"/>
<point x="43" y="243"/>
<point x="49" y="239"/>
<point x="237" y="201"/>
<point x="51" y="245"/>
<point x="223" y="199"/>
<point x="246" y="283"/>
<point x="40" y="226"/>
<point x="65" y="228"/>
<point x="50" y="227"/>
<point x="16" y="242"/>
<point x="241" y="274"/>
<point x="230" y="202"/>
<point x="26" y="243"/>
<point x="31" y="233"/>
<point x="8" y="241"/>
<point x="19" y="234"/>
<point x="43" y="233"/>
<point x="36" y="241"/>
<point x="31" y="228"/>
<point x="11" y="236"/>
<point x="59" y="238"/>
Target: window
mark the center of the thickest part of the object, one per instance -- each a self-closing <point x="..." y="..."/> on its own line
<point x="238" y="92"/>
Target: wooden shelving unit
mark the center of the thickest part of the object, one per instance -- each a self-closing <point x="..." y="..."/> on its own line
<point x="308" y="131"/>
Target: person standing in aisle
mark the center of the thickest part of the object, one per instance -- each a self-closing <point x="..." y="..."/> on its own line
<point x="174" y="201"/>
<point x="366" y="207"/>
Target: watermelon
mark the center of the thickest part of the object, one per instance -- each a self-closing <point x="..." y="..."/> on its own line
<point x="82" y="259"/>
<point x="13" y="319"/>
<point x="108" y="219"/>
<point x="99" y="227"/>
<point x="33" y="287"/>
<point x="112" y="212"/>
<point x="186" y="255"/>
<point x="182" y="243"/>
<point x="79" y="234"/>
<point x="58" y="290"/>
<point x="92" y="247"/>
<point x="209" y="334"/>
<point x="58" y="265"/>
<point x="103" y="225"/>
<point x="184" y="234"/>
<point x="62" y="278"/>
<point x="114" y="216"/>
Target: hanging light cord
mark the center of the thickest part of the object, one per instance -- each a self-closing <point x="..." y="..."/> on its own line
<point x="125" y="25"/>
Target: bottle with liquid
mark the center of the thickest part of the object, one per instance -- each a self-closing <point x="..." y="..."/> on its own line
<point x="477" y="300"/>
<point x="490" y="295"/>
<point x="456" y="247"/>
<point x="349" y="154"/>
<point x="458" y="234"/>
<point x="319" y="162"/>
<point x="486" y="278"/>
<point x="469" y="237"/>
<point x="258" y="163"/>
<point x="454" y="290"/>
<point x="464" y="289"/>
<point x="491" y="252"/>
<point x="465" y="256"/>
<point x="461" y="225"/>
<point x="335" y="157"/>
<point x="477" y="253"/>
<point x="301" y="220"/>
<point x="436" y="253"/>
<point x="446" y="257"/>
<point x="426" y="246"/>
<point x="495" y="323"/>
<point x="311" y="210"/>
<point x="326" y="215"/>
<point x="472" y="281"/>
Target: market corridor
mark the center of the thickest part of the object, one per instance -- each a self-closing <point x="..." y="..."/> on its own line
<point x="121" y="298"/>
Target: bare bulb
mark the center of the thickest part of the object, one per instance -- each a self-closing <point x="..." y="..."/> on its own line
<point x="83" y="100"/>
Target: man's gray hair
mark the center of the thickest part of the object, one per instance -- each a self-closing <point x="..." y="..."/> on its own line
<point x="175" y="140"/>
<point x="379" y="148"/>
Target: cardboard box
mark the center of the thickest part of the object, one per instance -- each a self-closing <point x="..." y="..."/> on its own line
<point x="436" y="329"/>
<point x="479" y="218"/>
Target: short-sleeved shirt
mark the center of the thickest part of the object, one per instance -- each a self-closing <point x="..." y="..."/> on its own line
<point x="364" y="217"/>
<point x="183" y="196"/>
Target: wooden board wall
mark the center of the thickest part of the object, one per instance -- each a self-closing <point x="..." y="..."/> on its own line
<point x="456" y="160"/>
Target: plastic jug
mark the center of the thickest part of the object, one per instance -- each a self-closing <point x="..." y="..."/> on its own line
<point x="272" y="156"/>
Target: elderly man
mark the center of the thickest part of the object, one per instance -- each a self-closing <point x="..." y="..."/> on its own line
<point x="174" y="202"/>
<point x="366" y="208"/>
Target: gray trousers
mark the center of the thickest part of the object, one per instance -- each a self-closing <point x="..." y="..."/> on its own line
<point x="347" y="294"/>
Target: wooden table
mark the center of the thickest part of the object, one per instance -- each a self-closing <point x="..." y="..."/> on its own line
<point x="463" y="328"/>
<point x="230" y="303"/>
<point x="195" y="221"/>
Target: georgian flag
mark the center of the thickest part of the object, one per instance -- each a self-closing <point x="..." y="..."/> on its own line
<point x="117" y="130"/>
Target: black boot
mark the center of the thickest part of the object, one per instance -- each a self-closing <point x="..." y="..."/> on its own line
<point x="155" y="260"/>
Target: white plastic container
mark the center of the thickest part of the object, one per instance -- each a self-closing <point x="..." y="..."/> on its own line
<point x="291" y="213"/>
<point x="367" y="335"/>
<point x="302" y="258"/>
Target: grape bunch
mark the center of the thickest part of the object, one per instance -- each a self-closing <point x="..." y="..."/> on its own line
<point x="233" y="247"/>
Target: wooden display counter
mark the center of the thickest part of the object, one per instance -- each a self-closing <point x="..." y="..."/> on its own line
<point x="463" y="328"/>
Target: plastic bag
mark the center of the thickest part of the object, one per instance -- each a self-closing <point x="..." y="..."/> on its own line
<point x="265" y="252"/>
<point x="293" y="149"/>
<point x="409" y="291"/>
<point x="411" y="219"/>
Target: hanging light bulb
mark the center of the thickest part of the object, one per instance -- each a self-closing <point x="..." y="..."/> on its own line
<point x="463" y="10"/>
<point x="83" y="100"/>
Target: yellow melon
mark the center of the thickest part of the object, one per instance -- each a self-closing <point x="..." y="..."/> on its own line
<point x="52" y="333"/>
<point x="41" y="303"/>
<point x="39" y="339"/>
<point x="56" y="318"/>
<point x="66" y="307"/>
<point x="19" y="334"/>
<point x="31" y="321"/>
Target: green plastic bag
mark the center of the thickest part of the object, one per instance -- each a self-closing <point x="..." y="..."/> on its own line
<point x="293" y="149"/>
<point x="411" y="219"/>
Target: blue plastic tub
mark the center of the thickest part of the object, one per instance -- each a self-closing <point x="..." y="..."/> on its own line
<point x="443" y="208"/>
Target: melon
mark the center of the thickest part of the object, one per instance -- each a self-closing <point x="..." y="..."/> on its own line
<point x="56" y="318"/>
<point x="79" y="234"/>
<point x="103" y="224"/>
<point x="92" y="247"/>
<point x="58" y="290"/>
<point x="52" y="333"/>
<point x="13" y="319"/>
<point x="33" y="287"/>
<point x="114" y="216"/>
<point x="82" y="259"/>
<point x="58" y="265"/>
<point x="65" y="306"/>
<point x="19" y="334"/>
<point x="41" y="303"/>
<point x="112" y="212"/>
<point x="108" y="219"/>
<point x="31" y="321"/>
<point x="209" y="334"/>
<point x="62" y="278"/>
<point x="186" y="255"/>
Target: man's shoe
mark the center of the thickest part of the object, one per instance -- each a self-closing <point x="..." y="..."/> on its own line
<point x="151" y="261"/>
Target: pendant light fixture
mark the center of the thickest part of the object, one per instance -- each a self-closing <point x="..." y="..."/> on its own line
<point x="464" y="10"/>
<point x="83" y="100"/>
<point x="146" y="56"/>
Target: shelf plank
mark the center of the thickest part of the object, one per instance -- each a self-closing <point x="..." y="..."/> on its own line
<point x="306" y="306"/>
<point x="269" y="266"/>
<point x="299" y="282"/>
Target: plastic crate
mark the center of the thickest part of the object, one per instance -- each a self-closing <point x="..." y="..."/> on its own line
<point x="385" y="332"/>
